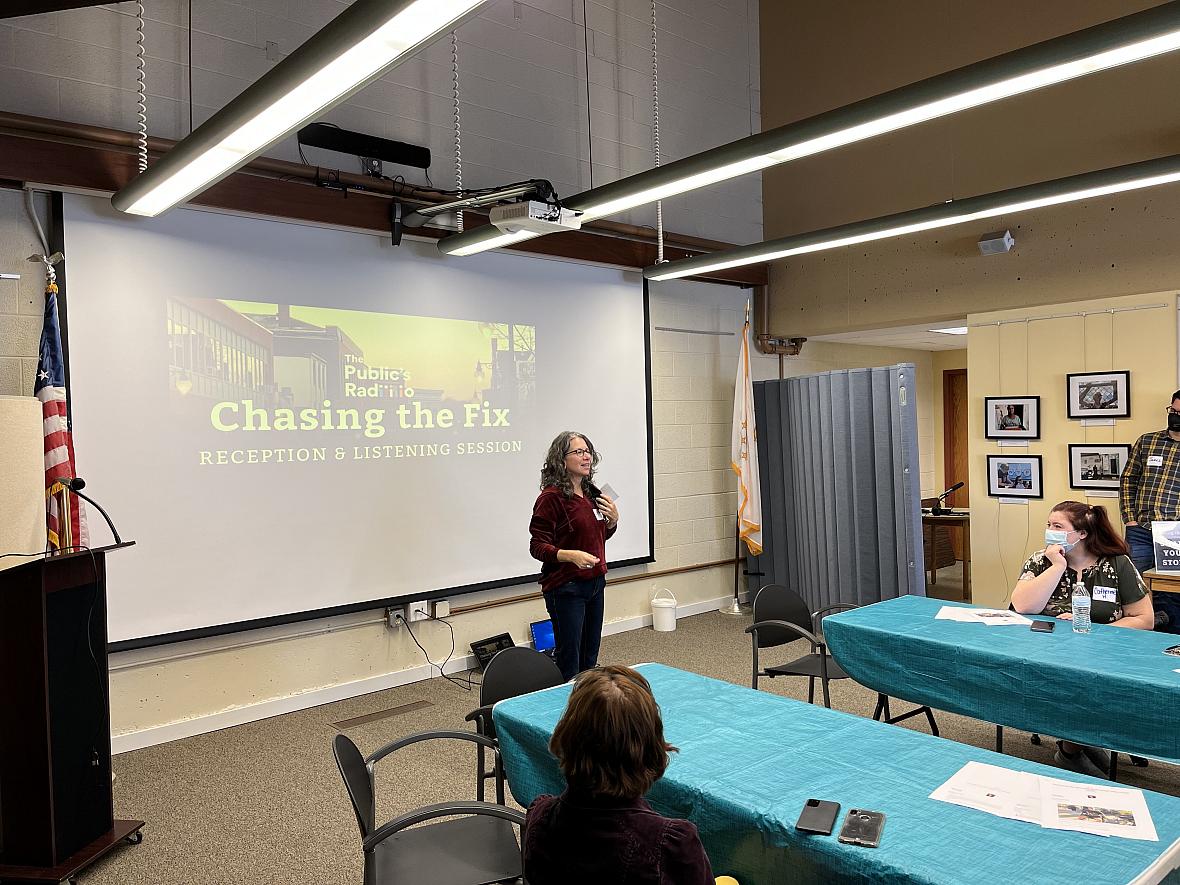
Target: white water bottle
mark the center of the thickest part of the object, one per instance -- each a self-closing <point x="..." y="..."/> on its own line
<point x="1081" y="608"/>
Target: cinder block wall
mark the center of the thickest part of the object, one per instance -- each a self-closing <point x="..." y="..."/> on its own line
<point x="523" y="73"/>
<point x="21" y="301"/>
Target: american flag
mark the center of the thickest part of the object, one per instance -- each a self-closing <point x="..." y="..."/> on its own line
<point x="65" y="520"/>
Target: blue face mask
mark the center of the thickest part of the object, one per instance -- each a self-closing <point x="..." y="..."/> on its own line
<point x="1056" y="537"/>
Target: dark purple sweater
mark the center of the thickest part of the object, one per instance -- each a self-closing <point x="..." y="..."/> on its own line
<point x="561" y="523"/>
<point x="575" y="840"/>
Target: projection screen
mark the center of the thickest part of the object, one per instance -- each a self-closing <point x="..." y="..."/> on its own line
<point x="294" y="422"/>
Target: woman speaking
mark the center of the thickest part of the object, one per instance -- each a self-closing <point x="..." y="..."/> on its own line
<point x="571" y="521"/>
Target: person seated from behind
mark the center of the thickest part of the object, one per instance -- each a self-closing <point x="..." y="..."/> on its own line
<point x="610" y="746"/>
<point x="1081" y="545"/>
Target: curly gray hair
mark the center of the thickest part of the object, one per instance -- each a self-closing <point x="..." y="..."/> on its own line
<point x="553" y="472"/>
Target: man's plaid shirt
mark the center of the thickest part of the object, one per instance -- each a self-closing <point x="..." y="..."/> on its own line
<point x="1150" y="485"/>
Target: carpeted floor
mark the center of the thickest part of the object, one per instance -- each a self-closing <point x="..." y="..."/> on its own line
<point x="263" y="803"/>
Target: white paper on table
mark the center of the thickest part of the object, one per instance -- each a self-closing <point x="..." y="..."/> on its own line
<point x="1092" y="808"/>
<point x="993" y="617"/>
<point x="998" y="791"/>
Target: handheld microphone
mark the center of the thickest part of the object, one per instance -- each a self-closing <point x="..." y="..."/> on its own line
<point x="75" y="484"/>
<point x="953" y="488"/>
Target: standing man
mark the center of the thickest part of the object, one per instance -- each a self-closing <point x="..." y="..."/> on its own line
<point x="1150" y="490"/>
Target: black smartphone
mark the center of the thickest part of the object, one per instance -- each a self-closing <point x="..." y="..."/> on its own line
<point x="818" y="816"/>
<point x="862" y="828"/>
<point x="1043" y="626"/>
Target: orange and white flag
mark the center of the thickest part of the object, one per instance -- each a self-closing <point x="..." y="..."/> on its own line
<point x="744" y="449"/>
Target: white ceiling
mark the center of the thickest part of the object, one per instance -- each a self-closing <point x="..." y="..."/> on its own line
<point x="914" y="337"/>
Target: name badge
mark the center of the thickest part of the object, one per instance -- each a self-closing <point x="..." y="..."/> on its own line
<point x="1106" y="594"/>
<point x="1155" y="460"/>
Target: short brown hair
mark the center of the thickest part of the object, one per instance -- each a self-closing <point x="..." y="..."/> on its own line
<point x="610" y="740"/>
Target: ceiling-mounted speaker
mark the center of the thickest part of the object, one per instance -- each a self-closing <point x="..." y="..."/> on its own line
<point x="997" y="242"/>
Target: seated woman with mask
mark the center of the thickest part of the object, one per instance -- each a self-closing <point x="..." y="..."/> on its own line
<point x="611" y="748"/>
<point x="1081" y="545"/>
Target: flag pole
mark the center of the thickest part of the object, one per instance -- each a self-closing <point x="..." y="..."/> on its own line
<point x="734" y="606"/>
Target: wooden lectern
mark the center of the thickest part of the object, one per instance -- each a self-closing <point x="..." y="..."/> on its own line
<point x="56" y="809"/>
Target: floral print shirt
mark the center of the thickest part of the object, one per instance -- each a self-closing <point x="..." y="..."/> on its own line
<point x="1112" y="582"/>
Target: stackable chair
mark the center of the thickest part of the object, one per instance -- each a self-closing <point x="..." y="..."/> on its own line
<point x="477" y="847"/>
<point x="514" y="671"/>
<point x="781" y="616"/>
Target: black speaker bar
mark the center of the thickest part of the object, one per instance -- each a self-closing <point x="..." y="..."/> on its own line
<point x="344" y="141"/>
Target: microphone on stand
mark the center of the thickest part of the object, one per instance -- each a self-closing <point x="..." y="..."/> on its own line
<point x="75" y="484"/>
<point x="937" y="509"/>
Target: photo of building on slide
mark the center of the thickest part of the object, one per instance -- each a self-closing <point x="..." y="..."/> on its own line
<point x="289" y="356"/>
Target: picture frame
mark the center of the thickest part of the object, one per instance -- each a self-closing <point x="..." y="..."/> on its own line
<point x="1012" y="417"/>
<point x="1097" y="466"/>
<point x="1015" y="476"/>
<point x="1098" y="394"/>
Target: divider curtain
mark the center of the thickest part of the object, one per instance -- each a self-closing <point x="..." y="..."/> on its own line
<point x="841" y="516"/>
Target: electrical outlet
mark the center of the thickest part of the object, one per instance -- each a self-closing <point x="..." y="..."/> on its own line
<point x="394" y="616"/>
<point x="442" y="608"/>
<point x="419" y="611"/>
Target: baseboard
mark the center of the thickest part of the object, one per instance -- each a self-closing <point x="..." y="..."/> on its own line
<point x="172" y="731"/>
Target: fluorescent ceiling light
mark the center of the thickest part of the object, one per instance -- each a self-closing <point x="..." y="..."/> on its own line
<point x="953" y="330"/>
<point x="1123" y="41"/>
<point x="355" y="48"/>
<point x="1089" y="185"/>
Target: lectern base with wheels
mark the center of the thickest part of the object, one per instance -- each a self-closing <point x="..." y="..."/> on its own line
<point x="56" y="809"/>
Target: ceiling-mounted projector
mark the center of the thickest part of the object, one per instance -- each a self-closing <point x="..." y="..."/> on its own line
<point x="535" y="216"/>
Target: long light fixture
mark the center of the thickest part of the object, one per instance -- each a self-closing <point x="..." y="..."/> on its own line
<point x="1086" y="186"/>
<point x="348" y="53"/>
<point x="1123" y="41"/>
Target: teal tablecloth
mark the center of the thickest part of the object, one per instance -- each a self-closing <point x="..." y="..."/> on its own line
<point x="1111" y="688"/>
<point x="749" y="760"/>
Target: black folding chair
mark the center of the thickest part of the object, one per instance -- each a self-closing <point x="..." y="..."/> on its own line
<point x="781" y="616"/>
<point x="512" y="672"/>
<point x="478" y="847"/>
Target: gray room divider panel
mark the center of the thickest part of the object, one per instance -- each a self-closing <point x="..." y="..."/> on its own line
<point x="841" y="517"/>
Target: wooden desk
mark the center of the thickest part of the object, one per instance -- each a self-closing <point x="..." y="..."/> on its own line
<point x="1161" y="582"/>
<point x="960" y="519"/>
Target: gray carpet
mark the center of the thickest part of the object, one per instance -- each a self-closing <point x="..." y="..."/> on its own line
<point x="263" y="802"/>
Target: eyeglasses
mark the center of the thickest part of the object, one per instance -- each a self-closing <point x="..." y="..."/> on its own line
<point x="578" y="452"/>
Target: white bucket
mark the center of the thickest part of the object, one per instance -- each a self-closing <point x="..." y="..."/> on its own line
<point x="663" y="611"/>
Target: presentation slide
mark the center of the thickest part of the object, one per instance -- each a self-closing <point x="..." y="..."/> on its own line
<point x="289" y="420"/>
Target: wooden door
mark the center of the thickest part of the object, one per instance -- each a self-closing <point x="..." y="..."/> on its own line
<point x="954" y="444"/>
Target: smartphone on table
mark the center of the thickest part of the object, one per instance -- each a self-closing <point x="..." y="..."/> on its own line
<point x="1043" y="626"/>
<point x="862" y="828"/>
<point x="818" y="817"/>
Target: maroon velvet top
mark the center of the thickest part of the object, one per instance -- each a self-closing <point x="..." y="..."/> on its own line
<point x="561" y="523"/>
<point x="571" y="840"/>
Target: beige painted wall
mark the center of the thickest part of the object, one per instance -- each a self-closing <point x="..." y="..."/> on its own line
<point x="819" y="56"/>
<point x="1030" y="352"/>
<point x="942" y="360"/>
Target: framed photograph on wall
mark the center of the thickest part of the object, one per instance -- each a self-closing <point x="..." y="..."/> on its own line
<point x="1096" y="466"/>
<point x="1012" y="417"/>
<point x="1014" y="476"/>
<point x="1098" y="394"/>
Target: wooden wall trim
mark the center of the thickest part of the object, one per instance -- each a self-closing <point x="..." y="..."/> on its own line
<point x="57" y="161"/>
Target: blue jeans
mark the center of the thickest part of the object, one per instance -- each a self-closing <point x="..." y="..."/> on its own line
<point x="576" y="611"/>
<point x="1143" y="556"/>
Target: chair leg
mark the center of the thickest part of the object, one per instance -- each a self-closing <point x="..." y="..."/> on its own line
<point x="880" y="707"/>
<point x="1114" y="766"/>
<point x="999" y="739"/>
<point x="933" y="724"/>
<point x="827" y="699"/>
<point x="754" y="674"/>
<point x="479" y="762"/>
<point x="499" y="779"/>
<point x="811" y="689"/>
